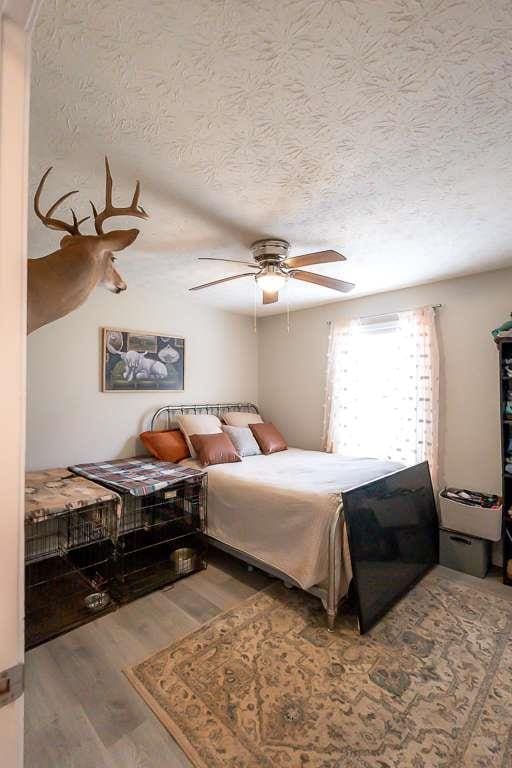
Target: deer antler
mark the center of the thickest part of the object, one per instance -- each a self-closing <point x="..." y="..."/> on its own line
<point x="48" y="221"/>
<point x="110" y="210"/>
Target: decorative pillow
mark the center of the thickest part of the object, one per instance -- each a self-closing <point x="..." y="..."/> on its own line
<point x="243" y="440"/>
<point x="269" y="439"/>
<point x="166" y="444"/>
<point x="214" y="449"/>
<point x="241" y="418"/>
<point x="204" y="424"/>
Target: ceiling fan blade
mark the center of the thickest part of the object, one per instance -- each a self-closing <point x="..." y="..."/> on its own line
<point x="270" y="297"/>
<point x="229" y="261"/>
<point x="326" y="282"/>
<point x="222" y="280"/>
<point x="319" y="257"/>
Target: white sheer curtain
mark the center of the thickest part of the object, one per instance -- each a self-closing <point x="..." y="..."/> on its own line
<point x="382" y="395"/>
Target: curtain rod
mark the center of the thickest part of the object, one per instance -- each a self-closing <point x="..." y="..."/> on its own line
<point x="386" y="314"/>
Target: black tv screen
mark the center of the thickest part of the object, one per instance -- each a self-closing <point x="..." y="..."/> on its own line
<point x="393" y="537"/>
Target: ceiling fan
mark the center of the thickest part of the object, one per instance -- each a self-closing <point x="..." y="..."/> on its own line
<point x="273" y="268"/>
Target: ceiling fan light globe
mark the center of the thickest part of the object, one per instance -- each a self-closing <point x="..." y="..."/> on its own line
<point x="271" y="283"/>
<point x="271" y="280"/>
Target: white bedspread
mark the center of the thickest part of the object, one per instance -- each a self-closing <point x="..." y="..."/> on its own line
<point x="278" y="508"/>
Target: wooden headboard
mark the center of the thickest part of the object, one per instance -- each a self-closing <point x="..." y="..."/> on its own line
<point x="168" y="413"/>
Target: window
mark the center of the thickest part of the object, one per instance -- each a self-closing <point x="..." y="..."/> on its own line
<point x="382" y="388"/>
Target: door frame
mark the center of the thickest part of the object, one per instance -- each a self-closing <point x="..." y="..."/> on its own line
<point x="17" y="18"/>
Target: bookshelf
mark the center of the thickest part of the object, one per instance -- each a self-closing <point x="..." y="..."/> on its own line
<point x="505" y="353"/>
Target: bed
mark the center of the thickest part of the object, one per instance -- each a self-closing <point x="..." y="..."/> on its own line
<point x="283" y="512"/>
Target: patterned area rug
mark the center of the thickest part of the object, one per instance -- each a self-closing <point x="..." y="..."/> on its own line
<point x="266" y="686"/>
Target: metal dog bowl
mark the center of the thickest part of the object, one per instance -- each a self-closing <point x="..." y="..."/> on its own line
<point x="96" y="601"/>
<point x="183" y="560"/>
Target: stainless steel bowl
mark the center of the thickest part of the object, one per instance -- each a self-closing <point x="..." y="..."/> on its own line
<point x="96" y="601"/>
<point x="183" y="560"/>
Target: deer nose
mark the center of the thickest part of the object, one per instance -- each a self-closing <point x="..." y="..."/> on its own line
<point x="120" y="289"/>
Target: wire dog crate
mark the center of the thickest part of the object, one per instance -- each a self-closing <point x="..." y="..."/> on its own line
<point x="68" y="559"/>
<point x="106" y="534"/>
<point x="75" y="528"/>
<point x="152" y="531"/>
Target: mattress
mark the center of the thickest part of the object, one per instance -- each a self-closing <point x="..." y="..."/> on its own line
<point x="278" y="508"/>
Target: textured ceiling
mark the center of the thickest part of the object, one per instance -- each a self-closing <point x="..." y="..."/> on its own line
<point x="381" y="128"/>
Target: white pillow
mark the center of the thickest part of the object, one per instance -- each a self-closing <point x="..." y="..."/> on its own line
<point x="243" y="440"/>
<point x="203" y="424"/>
<point x="241" y="419"/>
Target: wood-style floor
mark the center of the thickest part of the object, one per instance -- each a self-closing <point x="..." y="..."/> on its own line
<point x="81" y="712"/>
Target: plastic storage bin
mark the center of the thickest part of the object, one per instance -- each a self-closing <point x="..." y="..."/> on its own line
<point x="472" y="520"/>
<point x="464" y="553"/>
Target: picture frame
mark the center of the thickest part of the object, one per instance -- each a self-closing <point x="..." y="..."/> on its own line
<point x="142" y="361"/>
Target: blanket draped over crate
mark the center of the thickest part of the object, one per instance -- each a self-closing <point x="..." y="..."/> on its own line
<point x="138" y="476"/>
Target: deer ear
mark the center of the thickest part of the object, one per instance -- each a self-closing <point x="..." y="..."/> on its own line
<point x="119" y="239"/>
<point x="68" y="240"/>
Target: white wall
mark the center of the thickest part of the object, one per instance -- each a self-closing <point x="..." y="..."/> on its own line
<point x="15" y="29"/>
<point x="292" y="370"/>
<point x="70" y="420"/>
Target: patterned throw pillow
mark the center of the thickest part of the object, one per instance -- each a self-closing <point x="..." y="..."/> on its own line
<point x="243" y="440"/>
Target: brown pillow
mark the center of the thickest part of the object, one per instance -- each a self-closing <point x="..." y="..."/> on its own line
<point x="214" y="449"/>
<point x="269" y="439"/>
<point x="166" y="444"/>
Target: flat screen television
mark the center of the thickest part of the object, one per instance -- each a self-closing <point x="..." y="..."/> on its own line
<point x="393" y="535"/>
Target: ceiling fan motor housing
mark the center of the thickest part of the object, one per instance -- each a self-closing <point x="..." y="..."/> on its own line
<point x="270" y="251"/>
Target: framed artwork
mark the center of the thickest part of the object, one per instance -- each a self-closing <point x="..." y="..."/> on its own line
<point x="140" y="361"/>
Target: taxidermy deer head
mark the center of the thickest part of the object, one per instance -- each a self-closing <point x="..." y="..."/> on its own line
<point x="62" y="281"/>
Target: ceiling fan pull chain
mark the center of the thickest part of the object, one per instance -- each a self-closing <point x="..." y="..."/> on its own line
<point x="255" y="319"/>
<point x="287" y="309"/>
